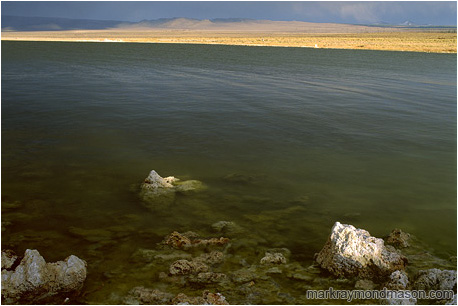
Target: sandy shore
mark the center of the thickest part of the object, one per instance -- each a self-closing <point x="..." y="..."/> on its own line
<point x="440" y="42"/>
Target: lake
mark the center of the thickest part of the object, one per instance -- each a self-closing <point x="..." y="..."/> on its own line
<point x="286" y="140"/>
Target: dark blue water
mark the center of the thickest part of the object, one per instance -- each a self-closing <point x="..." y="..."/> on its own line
<point x="368" y="137"/>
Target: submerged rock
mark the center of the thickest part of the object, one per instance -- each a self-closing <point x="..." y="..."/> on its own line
<point x="352" y="252"/>
<point x="145" y="296"/>
<point x="207" y="298"/>
<point x="156" y="191"/>
<point x="177" y="240"/>
<point x="239" y="178"/>
<point x="273" y="258"/>
<point x="191" y="239"/>
<point x="228" y="227"/>
<point x="159" y="192"/>
<point x="184" y="267"/>
<point x="7" y="205"/>
<point x="211" y="258"/>
<point x="398" y="238"/>
<point x="189" y="186"/>
<point x="157" y="256"/>
<point x="208" y="278"/>
<point x="35" y="280"/>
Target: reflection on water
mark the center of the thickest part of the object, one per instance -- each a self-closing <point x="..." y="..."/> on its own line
<point x="309" y="137"/>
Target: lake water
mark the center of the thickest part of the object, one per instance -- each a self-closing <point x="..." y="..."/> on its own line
<point x="287" y="140"/>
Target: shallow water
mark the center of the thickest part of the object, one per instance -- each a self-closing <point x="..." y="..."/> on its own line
<point x="361" y="137"/>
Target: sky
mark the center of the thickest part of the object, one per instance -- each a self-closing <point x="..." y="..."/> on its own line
<point x="355" y="12"/>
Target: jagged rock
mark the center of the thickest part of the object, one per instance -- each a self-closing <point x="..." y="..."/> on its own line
<point x="207" y="298"/>
<point x="398" y="238"/>
<point x="190" y="239"/>
<point x="183" y="299"/>
<point x="184" y="267"/>
<point x="154" y="181"/>
<point x="145" y="296"/>
<point x="273" y="258"/>
<point x="8" y="259"/>
<point x="398" y="281"/>
<point x="211" y="241"/>
<point x="156" y="191"/>
<point x="35" y="280"/>
<point x="354" y="252"/>
<point x="177" y="240"/>
<point x="215" y="298"/>
<point x="435" y="279"/>
<point x="364" y="284"/>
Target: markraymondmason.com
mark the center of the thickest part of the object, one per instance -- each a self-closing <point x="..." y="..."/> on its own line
<point x="350" y="295"/>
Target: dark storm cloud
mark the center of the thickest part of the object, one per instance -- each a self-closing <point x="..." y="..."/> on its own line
<point x="434" y="12"/>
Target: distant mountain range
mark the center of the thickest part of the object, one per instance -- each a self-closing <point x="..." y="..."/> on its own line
<point x="18" y="23"/>
<point x="407" y="24"/>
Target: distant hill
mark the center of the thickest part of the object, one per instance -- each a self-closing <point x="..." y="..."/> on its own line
<point x="18" y="23"/>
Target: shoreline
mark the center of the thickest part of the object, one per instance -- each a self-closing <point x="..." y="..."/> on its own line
<point x="220" y="44"/>
<point x="435" y="42"/>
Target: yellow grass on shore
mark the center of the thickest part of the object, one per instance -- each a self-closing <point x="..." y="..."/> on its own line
<point x="440" y="42"/>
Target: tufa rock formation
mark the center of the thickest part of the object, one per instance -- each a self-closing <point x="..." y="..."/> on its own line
<point x="158" y="192"/>
<point x="398" y="238"/>
<point x="34" y="280"/>
<point x="352" y="252"/>
<point x="435" y="279"/>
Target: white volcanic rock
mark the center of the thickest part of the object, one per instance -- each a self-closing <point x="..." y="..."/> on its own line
<point x="352" y="252"/>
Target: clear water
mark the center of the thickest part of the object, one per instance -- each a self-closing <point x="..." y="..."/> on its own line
<point x="369" y="137"/>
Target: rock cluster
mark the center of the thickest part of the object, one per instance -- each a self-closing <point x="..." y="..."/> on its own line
<point x="435" y="279"/>
<point x="352" y="252"/>
<point x="33" y="280"/>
